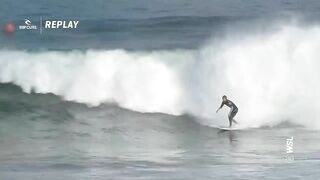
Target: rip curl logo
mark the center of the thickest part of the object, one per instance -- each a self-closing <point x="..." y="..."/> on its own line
<point x="27" y="22"/>
<point x="28" y="25"/>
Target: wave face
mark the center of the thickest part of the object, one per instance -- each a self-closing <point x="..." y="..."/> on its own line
<point x="272" y="77"/>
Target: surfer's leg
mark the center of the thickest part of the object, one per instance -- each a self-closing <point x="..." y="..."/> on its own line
<point x="230" y="123"/>
<point x="230" y="118"/>
<point x="232" y="114"/>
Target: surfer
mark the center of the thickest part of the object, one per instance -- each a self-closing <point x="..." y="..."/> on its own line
<point x="233" y="109"/>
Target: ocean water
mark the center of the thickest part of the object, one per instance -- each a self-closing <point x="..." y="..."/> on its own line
<point x="132" y="92"/>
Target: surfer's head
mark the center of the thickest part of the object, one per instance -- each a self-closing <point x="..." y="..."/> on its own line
<point x="224" y="98"/>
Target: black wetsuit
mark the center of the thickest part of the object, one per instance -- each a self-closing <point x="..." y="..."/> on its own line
<point x="233" y="111"/>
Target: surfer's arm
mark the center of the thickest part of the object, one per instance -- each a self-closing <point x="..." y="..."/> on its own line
<point x="220" y="107"/>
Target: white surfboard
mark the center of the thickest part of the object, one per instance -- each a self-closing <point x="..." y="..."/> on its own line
<point x="229" y="129"/>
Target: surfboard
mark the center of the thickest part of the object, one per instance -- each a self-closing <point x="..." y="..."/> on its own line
<point x="229" y="129"/>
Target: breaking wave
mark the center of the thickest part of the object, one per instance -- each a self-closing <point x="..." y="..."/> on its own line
<point x="272" y="76"/>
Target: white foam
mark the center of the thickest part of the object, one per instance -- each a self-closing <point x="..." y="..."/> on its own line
<point x="272" y="77"/>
